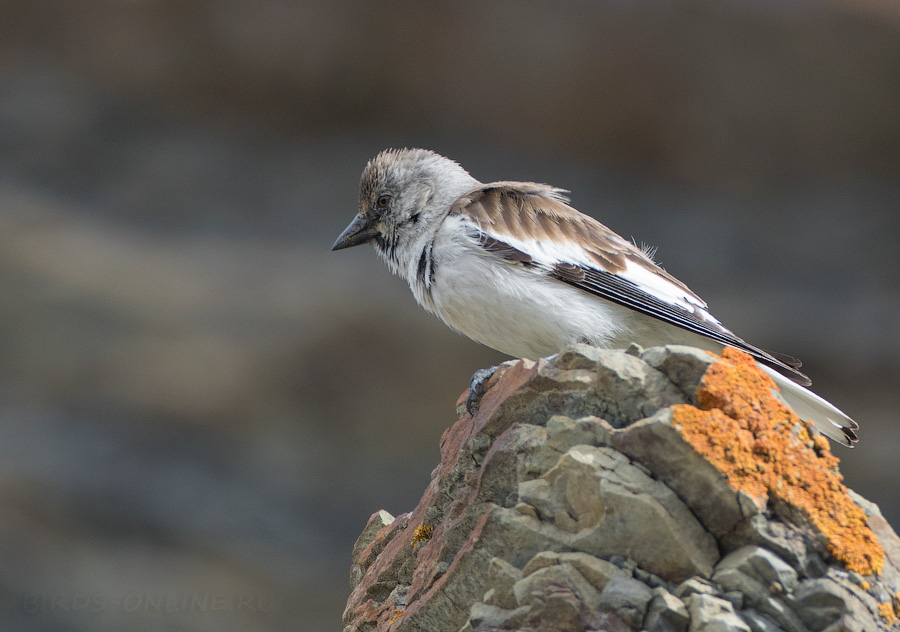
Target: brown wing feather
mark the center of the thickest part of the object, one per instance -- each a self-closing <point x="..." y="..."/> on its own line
<point x="528" y="210"/>
<point x="538" y="211"/>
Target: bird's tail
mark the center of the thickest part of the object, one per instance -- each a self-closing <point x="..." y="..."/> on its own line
<point x="826" y="417"/>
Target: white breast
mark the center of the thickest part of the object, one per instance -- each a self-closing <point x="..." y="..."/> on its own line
<point x="523" y="313"/>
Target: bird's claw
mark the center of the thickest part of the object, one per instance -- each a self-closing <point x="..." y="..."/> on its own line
<point x="476" y="388"/>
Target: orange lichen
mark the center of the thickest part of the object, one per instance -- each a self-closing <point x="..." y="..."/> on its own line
<point x="886" y="610"/>
<point x="422" y="534"/>
<point x="395" y="615"/>
<point x="764" y="449"/>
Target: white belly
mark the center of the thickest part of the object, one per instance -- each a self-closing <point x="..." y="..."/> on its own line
<point x="523" y="313"/>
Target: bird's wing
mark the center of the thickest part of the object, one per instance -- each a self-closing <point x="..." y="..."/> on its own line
<point x="532" y="225"/>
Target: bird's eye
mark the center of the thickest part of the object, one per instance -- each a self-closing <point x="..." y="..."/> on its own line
<point x="383" y="201"/>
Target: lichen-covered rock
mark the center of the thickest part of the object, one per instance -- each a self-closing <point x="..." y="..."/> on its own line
<point x="597" y="490"/>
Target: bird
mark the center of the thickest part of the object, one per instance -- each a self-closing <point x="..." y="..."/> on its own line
<point x="513" y="266"/>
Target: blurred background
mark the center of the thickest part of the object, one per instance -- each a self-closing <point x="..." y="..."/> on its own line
<point x="201" y="405"/>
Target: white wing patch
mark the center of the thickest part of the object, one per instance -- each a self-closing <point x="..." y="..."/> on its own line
<point x="549" y="252"/>
<point x="649" y="281"/>
<point x="545" y="251"/>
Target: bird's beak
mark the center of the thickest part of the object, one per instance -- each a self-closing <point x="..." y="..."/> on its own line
<point x="360" y="231"/>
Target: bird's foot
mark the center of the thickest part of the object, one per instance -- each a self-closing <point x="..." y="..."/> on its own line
<point x="476" y="388"/>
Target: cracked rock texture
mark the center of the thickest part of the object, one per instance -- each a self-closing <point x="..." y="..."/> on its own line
<point x="576" y="499"/>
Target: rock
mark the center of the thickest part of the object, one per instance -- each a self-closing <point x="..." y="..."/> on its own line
<point x="684" y="366"/>
<point x="711" y="614"/>
<point x="485" y="616"/>
<point x="735" y="598"/>
<point x="820" y="602"/>
<point x="573" y="500"/>
<point x="759" y="622"/>
<point x="666" y="613"/>
<point x="763" y="566"/>
<point x="586" y="381"/>
<point x="377" y="521"/>
<point x="648" y="578"/>
<point x="695" y="586"/>
<point x="610" y="507"/>
<point x="658" y="444"/>
<point x="760" y="577"/>
<point x="502" y="576"/>
<point x="780" y="612"/>
<point x="787" y="541"/>
<point x="886" y="537"/>
<point x="627" y="597"/>
<point x="558" y="611"/>
<point x="564" y="432"/>
<point x="556" y="579"/>
<point x="596" y="571"/>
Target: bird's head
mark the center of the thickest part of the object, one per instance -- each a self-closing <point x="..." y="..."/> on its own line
<point x="401" y="195"/>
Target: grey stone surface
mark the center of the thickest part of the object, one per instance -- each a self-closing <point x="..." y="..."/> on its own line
<point x="628" y="597"/>
<point x="684" y="366"/>
<point x="502" y="577"/>
<point x="712" y="614"/>
<point x="693" y="586"/>
<point x="558" y="577"/>
<point x="887" y="537"/>
<point x="787" y="541"/>
<point x="486" y="616"/>
<point x="598" y="572"/>
<point x="612" y="507"/>
<point x="779" y="611"/>
<point x="549" y="516"/>
<point x="762" y="578"/>
<point x="759" y="622"/>
<point x="735" y="597"/>
<point x="378" y="520"/>
<point x="586" y="381"/>
<point x="564" y="432"/>
<point x="733" y="580"/>
<point x="820" y="602"/>
<point x="666" y="613"/>
<point x="762" y="565"/>
<point x="661" y="448"/>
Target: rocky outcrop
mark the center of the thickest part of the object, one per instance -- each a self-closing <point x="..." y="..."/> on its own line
<point x="666" y="490"/>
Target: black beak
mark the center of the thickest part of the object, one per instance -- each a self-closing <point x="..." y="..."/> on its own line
<point x="360" y="231"/>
